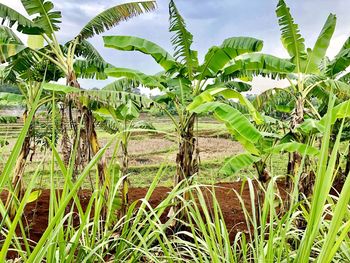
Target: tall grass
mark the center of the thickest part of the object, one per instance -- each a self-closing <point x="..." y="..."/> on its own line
<point x="143" y="235"/>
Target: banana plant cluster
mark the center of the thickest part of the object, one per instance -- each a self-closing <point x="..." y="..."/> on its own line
<point x="312" y="83"/>
<point x="46" y="59"/>
<point x="295" y="112"/>
<point x="184" y="80"/>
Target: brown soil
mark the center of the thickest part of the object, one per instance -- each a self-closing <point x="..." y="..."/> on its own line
<point x="36" y="213"/>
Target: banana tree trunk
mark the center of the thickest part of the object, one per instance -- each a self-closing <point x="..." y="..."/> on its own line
<point x="186" y="160"/>
<point x="187" y="156"/>
<point x="295" y="158"/>
<point x="17" y="180"/>
<point x="297" y="118"/>
<point x="263" y="173"/>
<point x="306" y="180"/>
<point x="88" y="140"/>
<point x="94" y="146"/>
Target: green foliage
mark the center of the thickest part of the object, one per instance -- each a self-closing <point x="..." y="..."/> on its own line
<point x="34" y="196"/>
<point x="115" y="98"/>
<point x="46" y="18"/>
<point x="23" y="24"/>
<point x="8" y="119"/>
<point x="318" y="53"/>
<point x="145" y="80"/>
<point x="128" y="43"/>
<point x="341" y="61"/>
<point x="238" y="162"/>
<point x="291" y="38"/>
<point x="113" y="16"/>
<point x="53" y="87"/>
<point x="294" y="147"/>
<point x="217" y="57"/>
<point x="90" y="69"/>
<point x="243" y="130"/>
<point x="11" y="99"/>
<point x="182" y="41"/>
<point x="10" y="44"/>
<point x="89" y="63"/>
<point x="249" y="65"/>
<point x="227" y="93"/>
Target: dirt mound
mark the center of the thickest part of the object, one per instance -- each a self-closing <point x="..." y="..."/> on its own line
<point x="36" y="213"/>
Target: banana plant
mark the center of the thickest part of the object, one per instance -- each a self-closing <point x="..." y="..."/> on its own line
<point x="337" y="69"/>
<point x="225" y="68"/>
<point x="24" y="92"/>
<point x="308" y="82"/>
<point x="258" y="141"/>
<point x="10" y="44"/>
<point x="76" y="58"/>
<point x="116" y="109"/>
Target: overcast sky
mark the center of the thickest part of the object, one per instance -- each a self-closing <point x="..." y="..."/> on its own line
<point x="210" y="22"/>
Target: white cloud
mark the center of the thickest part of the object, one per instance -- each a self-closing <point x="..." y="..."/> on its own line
<point x="92" y="10"/>
<point x="261" y="84"/>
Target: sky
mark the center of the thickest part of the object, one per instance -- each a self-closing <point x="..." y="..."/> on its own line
<point x="210" y="22"/>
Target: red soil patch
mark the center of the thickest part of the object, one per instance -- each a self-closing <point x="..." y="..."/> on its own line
<point x="36" y="213"/>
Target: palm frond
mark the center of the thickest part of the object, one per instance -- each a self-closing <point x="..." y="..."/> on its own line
<point x="341" y="61"/>
<point x="234" y="85"/>
<point x="106" y="123"/>
<point x="182" y="40"/>
<point x="254" y="64"/>
<point x="275" y="101"/>
<point x="143" y="124"/>
<point x="291" y="37"/>
<point x="86" y="50"/>
<point x="111" y="98"/>
<point x="118" y="99"/>
<point x="10" y="44"/>
<point x="148" y="81"/>
<point x="90" y="69"/>
<point x="318" y="53"/>
<point x="46" y="18"/>
<point x="89" y="64"/>
<point x="28" y="65"/>
<point x="22" y="23"/>
<point x="217" y="57"/>
<point x="113" y="16"/>
<point x="345" y="78"/>
<point x="122" y="84"/>
<point x="130" y="43"/>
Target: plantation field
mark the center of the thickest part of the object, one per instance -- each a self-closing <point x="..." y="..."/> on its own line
<point x="148" y="151"/>
<point x="227" y="156"/>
